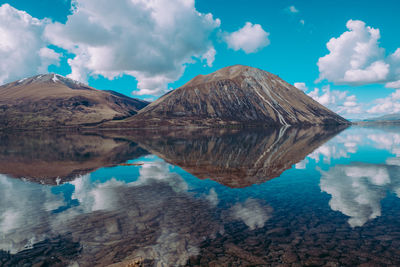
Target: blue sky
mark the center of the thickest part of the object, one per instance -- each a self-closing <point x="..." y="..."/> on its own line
<point x="287" y="38"/>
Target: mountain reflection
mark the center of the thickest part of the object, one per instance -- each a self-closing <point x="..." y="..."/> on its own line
<point x="52" y="158"/>
<point x="236" y="158"/>
<point x="231" y="157"/>
<point x="152" y="213"/>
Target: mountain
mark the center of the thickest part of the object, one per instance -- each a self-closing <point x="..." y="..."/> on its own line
<point x="233" y="95"/>
<point x="51" y="100"/>
<point x="385" y="119"/>
<point x="231" y="157"/>
<point x="389" y="117"/>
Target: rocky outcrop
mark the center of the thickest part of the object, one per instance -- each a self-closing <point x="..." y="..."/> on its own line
<point x="53" y="101"/>
<point x="235" y="95"/>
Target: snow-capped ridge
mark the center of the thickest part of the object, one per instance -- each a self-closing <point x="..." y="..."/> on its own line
<point x="53" y="78"/>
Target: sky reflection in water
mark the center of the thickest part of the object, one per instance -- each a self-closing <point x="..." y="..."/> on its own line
<point x="339" y="203"/>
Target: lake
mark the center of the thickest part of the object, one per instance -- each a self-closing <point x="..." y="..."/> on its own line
<point x="315" y="196"/>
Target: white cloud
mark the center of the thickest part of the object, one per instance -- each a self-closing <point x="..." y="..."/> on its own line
<point x="23" y="52"/>
<point x="251" y="38"/>
<point x="394" y="85"/>
<point x="293" y="9"/>
<point x="390" y="104"/>
<point x="150" y="40"/>
<point x="209" y="56"/>
<point x="301" y="86"/>
<point x="48" y="57"/>
<point x="338" y="101"/>
<point x="356" y="58"/>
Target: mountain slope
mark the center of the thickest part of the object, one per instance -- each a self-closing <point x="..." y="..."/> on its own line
<point x="233" y="95"/>
<point x="52" y="100"/>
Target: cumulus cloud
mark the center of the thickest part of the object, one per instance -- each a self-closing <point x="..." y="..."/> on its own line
<point x="301" y="86"/>
<point x="251" y="38"/>
<point x="23" y="51"/>
<point x="339" y="101"/>
<point x="394" y="85"/>
<point x="356" y="58"/>
<point x="293" y="9"/>
<point x="150" y="40"/>
<point x="390" y="104"/>
<point x="209" y="56"/>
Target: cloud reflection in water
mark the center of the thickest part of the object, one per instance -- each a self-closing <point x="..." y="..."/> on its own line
<point x="357" y="188"/>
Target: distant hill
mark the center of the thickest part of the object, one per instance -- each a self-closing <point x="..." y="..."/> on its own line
<point x="51" y="100"/>
<point x="235" y="95"/>
<point x="385" y="119"/>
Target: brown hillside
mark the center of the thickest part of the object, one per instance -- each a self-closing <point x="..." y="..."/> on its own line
<point x="233" y="95"/>
<point x="52" y="100"/>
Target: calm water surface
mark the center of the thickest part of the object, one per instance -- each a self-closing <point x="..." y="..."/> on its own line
<point x="287" y="197"/>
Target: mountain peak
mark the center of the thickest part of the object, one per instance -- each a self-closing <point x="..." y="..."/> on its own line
<point x="50" y="78"/>
<point x="234" y="95"/>
<point x="51" y="100"/>
<point x="229" y="73"/>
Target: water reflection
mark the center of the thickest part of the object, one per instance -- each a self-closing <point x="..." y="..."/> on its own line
<point x="56" y="157"/>
<point x="343" y="146"/>
<point x="357" y="189"/>
<point x="253" y="213"/>
<point x="152" y="218"/>
<point x="154" y="211"/>
<point x="24" y="211"/>
<point x="237" y="159"/>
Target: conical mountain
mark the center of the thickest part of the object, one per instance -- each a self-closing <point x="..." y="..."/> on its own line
<point x="233" y="95"/>
<point x="51" y="100"/>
